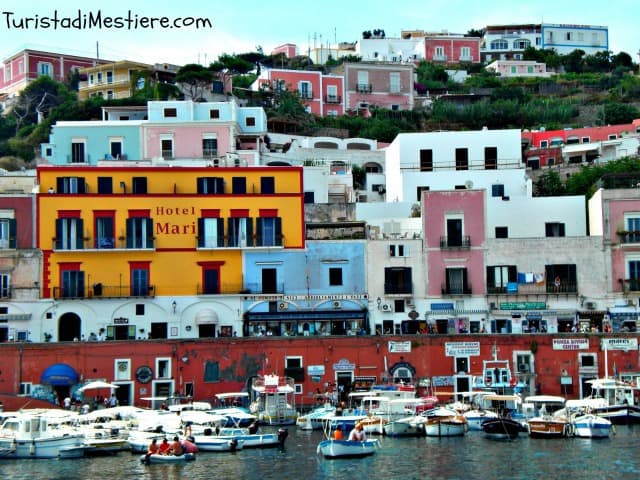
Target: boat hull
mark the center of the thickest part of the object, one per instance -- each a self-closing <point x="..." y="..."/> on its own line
<point x="156" y="458"/>
<point x="217" y="444"/>
<point x="501" y="428"/>
<point x="592" y="426"/>
<point x="445" y="428"/>
<point x="347" y="448"/>
<point x="547" y="428"/>
<point x="70" y="446"/>
<point x="619" y="414"/>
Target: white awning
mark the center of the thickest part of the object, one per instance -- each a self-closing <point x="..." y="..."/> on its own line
<point x="206" y="316"/>
<point x="579" y="147"/>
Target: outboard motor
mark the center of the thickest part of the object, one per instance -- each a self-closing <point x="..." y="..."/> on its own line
<point x="283" y="433"/>
<point x="233" y="444"/>
<point x="253" y="428"/>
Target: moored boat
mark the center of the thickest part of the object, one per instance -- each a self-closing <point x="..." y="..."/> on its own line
<point x="444" y="422"/>
<point x="551" y="420"/>
<point x="347" y="448"/>
<point x="157" y="458"/>
<point x="591" y="426"/>
<point x="620" y="400"/>
<point x="501" y="428"/>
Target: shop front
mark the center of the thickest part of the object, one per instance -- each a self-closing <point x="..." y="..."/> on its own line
<point x="306" y="323"/>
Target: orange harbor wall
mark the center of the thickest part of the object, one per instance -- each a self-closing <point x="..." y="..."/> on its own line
<point x="238" y="359"/>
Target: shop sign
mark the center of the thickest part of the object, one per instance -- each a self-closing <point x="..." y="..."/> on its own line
<point x="625" y="344"/>
<point x="523" y="306"/>
<point x="570" y="344"/>
<point x="399" y="347"/>
<point x="461" y="349"/>
<point x="344" y="365"/>
<point x="315" y="369"/>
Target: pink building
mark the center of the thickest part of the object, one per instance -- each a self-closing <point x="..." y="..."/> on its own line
<point x="27" y="65"/>
<point x="383" y="85"/>
<point x="454" y="228"/>
<point x="449" y="48"/>
<point x="322" y="94"/>
<point x="290" y="50"/>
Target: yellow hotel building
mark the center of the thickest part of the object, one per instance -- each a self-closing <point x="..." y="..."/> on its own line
<point x="144" y="232"/>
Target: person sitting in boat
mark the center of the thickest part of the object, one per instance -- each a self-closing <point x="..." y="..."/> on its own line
<point x="357" y="434"/>
<point x="153" y="447"/>
<point x="337" y="433"/>
<point x="164" y="447"/>
<point x="176" y="447"/>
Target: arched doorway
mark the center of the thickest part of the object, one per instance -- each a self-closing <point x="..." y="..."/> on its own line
<point x="69" y="327"/>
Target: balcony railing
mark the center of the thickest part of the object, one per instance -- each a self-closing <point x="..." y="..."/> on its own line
<point x="363" y="88"/>
<point x="455" y="243"/>
<point x="631" y="285"/>
<point x="439" y="58"/>
<point x="306" y="94"/>
<point x="398" y="289"/>
<point x="102" y="243"/>
<point x="98" y="290"/>
<point x="533" y="289"/>
<point x="631" y="236"/>
<point x="464" y="290"/>
<point x="332" y="99"/>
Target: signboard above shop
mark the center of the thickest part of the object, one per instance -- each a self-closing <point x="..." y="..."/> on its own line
<point x="523" y="306"/>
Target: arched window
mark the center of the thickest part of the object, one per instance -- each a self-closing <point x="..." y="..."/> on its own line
<point x="499" y="45"/>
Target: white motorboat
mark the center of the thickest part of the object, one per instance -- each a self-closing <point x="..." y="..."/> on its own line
<point x="620" y="400"/>
<point x="252" y="440"/>
<point x="347" y="448"/>
<point x="314" y="420"/>
<point x="274" y="400"/>
<point x="444" y="422"/>
<point x="476" y="417"/>
<point x="590" y="425"/>
<point x="28" y="435"/>
<point x="208" y="443"/>
<point x="231" y="406"/>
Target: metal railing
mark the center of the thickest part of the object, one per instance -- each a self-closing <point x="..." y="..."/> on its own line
<point x="98" y="290"/>
<point x="455" y="243"/>
<point x="363" y="88"/>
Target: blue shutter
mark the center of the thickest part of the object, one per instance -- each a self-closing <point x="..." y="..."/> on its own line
<point x="220" y="232"/>
<point x="130" y="232"/>
<point x="259" y="232"/>
<point x="12" y="233"/>
<point x="278" y="231"/>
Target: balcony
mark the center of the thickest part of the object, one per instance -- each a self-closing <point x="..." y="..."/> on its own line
<point x="98" y="290"/>
<point x="439" y="58"/>
<point x="399" y="289"/>
<point x="455" y="243"/>
<point x="306" y="94"/>
<point x="548" y="288"/>
<point x="102" y="243"/>
<point x="332" y="99"/>
<point x="464" y="290"/>
<point x="629" y="236"/>
<point x="630" y="284"/>
<point x="363" y="88"/>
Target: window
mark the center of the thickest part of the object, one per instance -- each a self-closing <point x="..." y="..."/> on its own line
<point x="332" y="94"/>
<point x="45" y="68"/>
<point x="240" y="232"/>
<point x="502" y="232"/>
<point x="612" y="136"/>
<point x="210" y="185"/>
<point x="109" y="77"/>
<point x="139" y="232"/>
<point x="465" y="53"/>
<point x="544" y="143"/>
<point x="5" y="285"/>
<point x="585" y="140"/>
<point x="139" y="279"/>
<point x="305" y="91"/>
<point x="633" y="275"/>
<point x="214" y="114"/>
<point x="170" y="112"/>
<point x="267" y="185"/>
<point x="239" y="185"/>
<point x="70" y="185"/>
<point x="309" y="197"/>
<point x="335" y="276"/>
<point x="499" y="276"/>
<point x="209" y="147"/>
<point x="104" y="235"/>
<point x="499" y="45"/>
<point x="7" y="233"/>
<point x="568" y="35"/>
<point x="139" y="185"/>
<point x="497" y="190"/>
<point x="454" y="230"/>
<point x="419" y="191"/>
<point x="99" y="74"/>
<point x="210" y="232"/>
<point x="490" y="158"/>
<point x="462" y="159"/>
<point x="394" y="82"/>
<point x="69" y="233"/>
<point x="211" y="371"/>
<point x="163" y="368"/>
<point x="633" y="227"/>
<point x="398" y="250"/>
<point x="439" y="53"/>
<point x="139" y="309"/>
<point x="77" y="151"/>
<point x="105" y="185"/>
<point x="398" y="280"/>
<point x="561" y="278"/>
<point x="554" y="229"/>
<point x="210" y="279"/>
<point x="268" y="232"/>
<point x="521" y="44"/>
<point x="363" y="82"/>
<point x="25" y="388"/>
<point x="426" y="160"/>
<point x="72" y="284"/>
<point x="166" y="148"/>
<point x="587" y="360"/>
<point x="250" y="121"/>
<point x="456" y="281"/>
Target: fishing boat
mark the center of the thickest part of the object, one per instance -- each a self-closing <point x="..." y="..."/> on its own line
<point x="158" y="458"/>
<point x="586" y="424"/>
<point x="273" y="400"/>
<point x="28" y="435"/>
<point x="501" y="428"/>
<point x="347" y="448"/>
<point x="551" y="420"/>
<point x="620" y="400"/>
<point x="444" y="422"/>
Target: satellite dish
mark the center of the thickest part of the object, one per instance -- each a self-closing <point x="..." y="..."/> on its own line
<point x="468" y="184"/>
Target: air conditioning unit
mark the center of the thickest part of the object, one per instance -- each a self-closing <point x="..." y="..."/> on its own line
<point x="283" y="306"/>
<point x="492" y="306"/>
<point x="337" y="304"/>
<point x="386" y="307"/>
<point x="590" y="305"/>
<point x="523" y="368"/>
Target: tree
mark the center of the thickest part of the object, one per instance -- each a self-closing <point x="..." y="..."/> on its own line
<point x="616" y="113"/>
<point x="473" y="32"/>
<point x="622" y="59"/>
<point x="37" y="100"/>
<point x="195" y="78"/>
<point x="549" y="184"/>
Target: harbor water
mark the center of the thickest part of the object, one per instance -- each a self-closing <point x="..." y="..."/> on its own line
<point x="466" y="458"/>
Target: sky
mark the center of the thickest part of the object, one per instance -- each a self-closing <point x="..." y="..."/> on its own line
<point x="239" y="26"/>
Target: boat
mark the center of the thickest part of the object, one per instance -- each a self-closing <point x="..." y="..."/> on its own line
<point x="476" y="417"/>
<point x="273" y="400"/>
<point x="28" y="435"/>
<point x="347" y="448"/>
<point x="586" y="424"/>
<point x="620" y="405"/>
<point x="207" y="443"/>
<point x="444" y="422"/>
<point x="232" y="406"/>
<point x="314" y="420"/>
<point x="248" y="439"/>
<point x="551" y="420"/>
<point x="501" y="428"/>
<point x="410" y="425"/>
<point x="157" y="458"/>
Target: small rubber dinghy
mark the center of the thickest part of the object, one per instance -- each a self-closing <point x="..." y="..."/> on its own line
<point x="157" y="458"/>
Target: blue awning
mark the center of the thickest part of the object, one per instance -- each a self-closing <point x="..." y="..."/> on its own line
<point x="59" y="374"/>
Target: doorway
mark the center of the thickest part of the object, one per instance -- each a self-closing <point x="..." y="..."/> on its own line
<point x="343" y="382"/>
